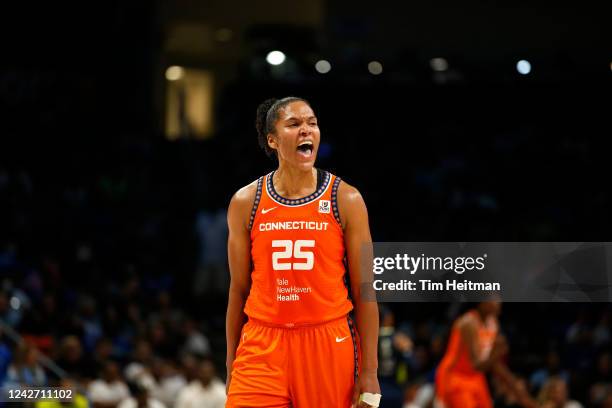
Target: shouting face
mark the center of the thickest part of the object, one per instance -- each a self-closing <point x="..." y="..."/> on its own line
<point x="296" y="136"/>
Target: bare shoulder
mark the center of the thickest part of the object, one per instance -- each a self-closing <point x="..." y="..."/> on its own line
<point x="348" y="193"/>
<point x="350" y="204"/>
<point x="241" y="205"/>
<point x="245" y="195"/>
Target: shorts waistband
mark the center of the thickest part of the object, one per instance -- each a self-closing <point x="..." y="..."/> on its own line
<point x="293" y="326"/>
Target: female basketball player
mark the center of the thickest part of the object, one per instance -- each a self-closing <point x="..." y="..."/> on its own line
<point x="475" y="347"/>
<point x="289" y="234"/>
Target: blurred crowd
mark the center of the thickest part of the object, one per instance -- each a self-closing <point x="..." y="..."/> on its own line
<point x="131" y="346"/>
<point x="113" y="277"/>
<point x="124" y="291"/>
<point x="119" y="351"/>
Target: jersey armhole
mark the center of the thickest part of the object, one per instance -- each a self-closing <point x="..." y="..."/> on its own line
<point x="334" y="200"/>
<point x="255" y="202"/>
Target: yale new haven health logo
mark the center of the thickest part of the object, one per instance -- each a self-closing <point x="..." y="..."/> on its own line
<point x="324" y="206"/>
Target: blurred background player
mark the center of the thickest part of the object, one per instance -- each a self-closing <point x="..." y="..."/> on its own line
<point x="475" y="348"/>
<point x="289" y="235"/>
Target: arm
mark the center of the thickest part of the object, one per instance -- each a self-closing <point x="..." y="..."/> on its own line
<point x="469" y="337"/>
<point x="520" y="392"/>
<point x="493" y="362"/>
<point x="354" y="217"/>
<point x="239" y="257"/>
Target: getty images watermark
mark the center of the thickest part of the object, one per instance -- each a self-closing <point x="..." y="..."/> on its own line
<point x="477" y="271"/>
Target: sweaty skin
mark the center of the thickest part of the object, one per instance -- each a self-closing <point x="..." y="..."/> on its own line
<point x="296" y="177"/>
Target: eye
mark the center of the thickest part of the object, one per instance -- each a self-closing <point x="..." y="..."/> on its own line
<point x="293" y="124"/>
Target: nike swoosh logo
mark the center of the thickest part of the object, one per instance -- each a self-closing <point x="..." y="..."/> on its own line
<point x="338" y="339"/>
<point x="267" y="210"/>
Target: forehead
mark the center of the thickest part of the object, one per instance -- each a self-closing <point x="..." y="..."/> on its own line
<point x="295" y="109"/>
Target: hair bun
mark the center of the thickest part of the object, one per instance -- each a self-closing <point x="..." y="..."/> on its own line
<point x="261" y="120"/>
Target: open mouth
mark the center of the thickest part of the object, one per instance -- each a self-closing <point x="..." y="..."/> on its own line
<point x="305" y="148"/>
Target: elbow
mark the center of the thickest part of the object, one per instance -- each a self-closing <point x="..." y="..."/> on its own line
<point x="239" y="289"/>
<point x="366" y="305"/>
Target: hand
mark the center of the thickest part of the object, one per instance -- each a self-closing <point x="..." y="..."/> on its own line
<point x="522" y="395"/>
<point x="500" y="347"/>
<point x="366" y="382"/>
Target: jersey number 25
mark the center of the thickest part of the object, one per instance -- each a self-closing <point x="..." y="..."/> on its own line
<point x="294" y="249"/>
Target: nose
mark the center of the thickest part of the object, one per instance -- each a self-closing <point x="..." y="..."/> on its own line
<point x="304" y="129"/>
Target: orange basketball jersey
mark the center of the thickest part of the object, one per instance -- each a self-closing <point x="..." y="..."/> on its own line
<point x="297" y="251"/>
<point x="458" y="383"/>
<point x="457" y="357"/>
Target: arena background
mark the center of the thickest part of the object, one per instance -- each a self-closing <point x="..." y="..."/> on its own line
<point x="127" y="126"/>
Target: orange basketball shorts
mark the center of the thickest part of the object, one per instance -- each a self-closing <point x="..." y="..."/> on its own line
<point x="465" y="392"/>
<point x="313" y="366"/>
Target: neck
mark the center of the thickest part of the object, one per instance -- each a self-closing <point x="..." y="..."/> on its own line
<point x="291" y="182"/>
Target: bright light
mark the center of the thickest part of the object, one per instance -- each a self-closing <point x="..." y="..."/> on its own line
<point x="375" y="68"/>
<point x="438" y="64"/>
<point x="15" y="302"/>
<point x="275" y="58"/>
<point x="323" y="67"/>
<point x="523" y="67"/>
<point x="174" y="73"/>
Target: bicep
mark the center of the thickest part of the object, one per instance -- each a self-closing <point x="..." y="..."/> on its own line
<point x="358" y="241"/>
<point x="469" y="338"/>
<point x="238" y="245"/>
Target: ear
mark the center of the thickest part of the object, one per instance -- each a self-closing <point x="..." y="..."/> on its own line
<point x="272" y="142"/>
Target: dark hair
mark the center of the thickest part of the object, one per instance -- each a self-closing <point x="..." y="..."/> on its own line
<point x="266" y="117"/>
